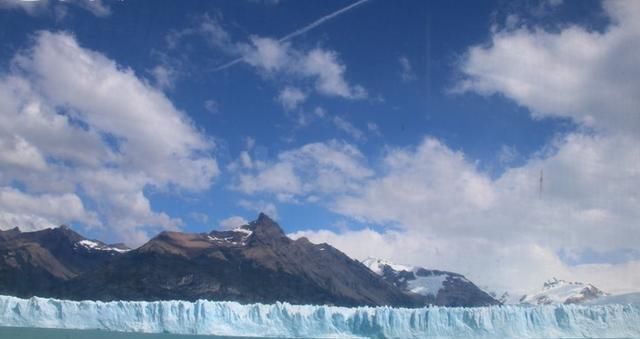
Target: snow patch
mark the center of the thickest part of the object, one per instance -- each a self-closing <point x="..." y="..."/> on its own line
<point x="243" y="230"/>
<point x="430" y="285"/>
<point x="377" y="265"/>
<point x="92" y="245"/>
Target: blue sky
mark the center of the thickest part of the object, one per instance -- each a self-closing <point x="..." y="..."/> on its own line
<point x="411" y="130"/>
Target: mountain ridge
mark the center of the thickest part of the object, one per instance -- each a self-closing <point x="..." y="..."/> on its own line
<point x="256" y="262"/>
<point x="440" y="288"/>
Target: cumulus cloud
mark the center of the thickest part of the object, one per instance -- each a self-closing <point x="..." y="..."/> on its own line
<point x="437" y="209"/>
<point x="317" y="168"/>
<point x="589" y="76"/>
<point x="30" y="7"/>
<point x="37" y="7"/>
<point x="291" y="97"/>
<point x="499" y="266"/>
<point x="164" y="76"/>
<point x="106" y="133"/>
<point x="447" y="213"/>
<point x="31" y="212"/>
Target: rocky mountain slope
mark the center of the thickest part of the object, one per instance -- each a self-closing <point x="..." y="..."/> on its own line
<point x="37" y="263"/>
<point x="438" y="287"/>
<point x="253" y="263"/>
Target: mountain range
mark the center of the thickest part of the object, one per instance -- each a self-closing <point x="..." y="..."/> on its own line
<point x="438" y="287"/>
<point x="558" y="291"/>
<point x="252" y="263"/>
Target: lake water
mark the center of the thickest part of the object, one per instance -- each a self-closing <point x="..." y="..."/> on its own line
<point x="49" y="333"/>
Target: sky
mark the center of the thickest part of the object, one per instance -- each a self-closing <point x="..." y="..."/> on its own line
<point x="497" y="139"/>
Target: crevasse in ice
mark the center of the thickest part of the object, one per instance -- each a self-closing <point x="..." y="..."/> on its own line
<point x="285" y="320"/>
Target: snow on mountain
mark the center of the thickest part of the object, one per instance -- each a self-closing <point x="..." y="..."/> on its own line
<point x="94" y="245"/>
<point x="378" y="265"/>
<point x="558" y="291"/>
<point x="283" y="320"/>
<point x="440" y="287"/>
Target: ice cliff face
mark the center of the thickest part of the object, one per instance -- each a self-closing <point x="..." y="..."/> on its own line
<point x="285" y="320"/>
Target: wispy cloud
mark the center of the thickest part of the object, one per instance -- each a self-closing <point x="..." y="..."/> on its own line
<point x="301" y="31"/>
<point x="406" y="72"/>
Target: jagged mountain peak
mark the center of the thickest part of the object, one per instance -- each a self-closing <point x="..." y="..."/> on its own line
<point x="264" y="226"/>
<point x="255" y="262"/>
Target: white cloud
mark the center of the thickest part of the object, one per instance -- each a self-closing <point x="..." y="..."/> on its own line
<point x="440" y="211"/>
<point x="348" y="128"/>
<point x="245" y="159"/>
<point x="266" y="54"/>
<point x="411" y="189"/>
<point x="105" y="132"/>
<point x="53" y="209"/>
<point x="30" y="7"/>
<point x="507" y="154"/>
<point x="209" y="28"/>
<point x="291" y="97"/>
<point x="272" y="56"/>
<point x="232" y="222"/>
<point x="500" y="232"/>
<point x="324" y="65"/>
<point x="445" y="213"/>
<point x="164" y="76"/>
<point x="278" y="59"/>
<point x="589" y="76"/>
<point x="318" y="168"/>
<point x="406" y="70"/>
<point x="515" y="267"/>
<point x="37" y="7"/>
<point x="275" y="57"/>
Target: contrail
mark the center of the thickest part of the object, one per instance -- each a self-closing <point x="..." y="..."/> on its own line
<point x="320" y="21"/>
<point x="301" y="30"/>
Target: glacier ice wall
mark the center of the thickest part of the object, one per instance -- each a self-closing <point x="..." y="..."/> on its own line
<point x="285" y="320"/>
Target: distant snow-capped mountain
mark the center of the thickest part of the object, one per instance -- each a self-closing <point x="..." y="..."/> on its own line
<point x="558" y="291"/>
<point x="439" y="287"/>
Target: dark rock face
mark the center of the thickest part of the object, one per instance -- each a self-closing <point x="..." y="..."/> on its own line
<point x="37" y="263"/>
<point x="440" y="288"/>
<point x="253" y="263"/>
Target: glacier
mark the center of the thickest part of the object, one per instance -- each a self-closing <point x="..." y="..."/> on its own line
<point x="284" y="320"/>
